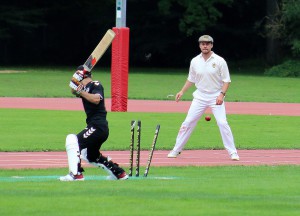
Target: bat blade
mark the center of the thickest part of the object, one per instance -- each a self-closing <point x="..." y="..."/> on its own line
<point x="100" y="49"/>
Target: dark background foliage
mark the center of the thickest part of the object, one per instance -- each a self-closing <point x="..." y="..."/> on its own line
<point x="163" y="33"/>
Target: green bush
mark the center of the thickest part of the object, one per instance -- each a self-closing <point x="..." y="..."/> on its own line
<point x="290" y="68"/>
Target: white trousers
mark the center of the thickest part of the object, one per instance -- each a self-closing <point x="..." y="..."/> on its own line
<point x="200" y="103"/>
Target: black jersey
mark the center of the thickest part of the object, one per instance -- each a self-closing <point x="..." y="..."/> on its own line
<point x="95" y="113"/>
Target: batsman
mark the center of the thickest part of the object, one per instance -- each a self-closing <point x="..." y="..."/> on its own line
<point x="87" y="143"/>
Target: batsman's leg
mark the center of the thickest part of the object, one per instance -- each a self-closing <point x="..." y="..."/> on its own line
<point x="83" y="154"/>
<point x="72" y="149"/>
<point x="73" y="154"/>
<point x="115" y="172"/>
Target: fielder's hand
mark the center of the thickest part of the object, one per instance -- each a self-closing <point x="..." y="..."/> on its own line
<point x="178" y="96"/>
<point x="220" y="99"/>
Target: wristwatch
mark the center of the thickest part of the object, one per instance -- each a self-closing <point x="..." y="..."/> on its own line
<point x="223" y="93"/>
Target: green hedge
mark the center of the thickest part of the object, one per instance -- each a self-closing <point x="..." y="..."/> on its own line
<point x="290" y="68"/>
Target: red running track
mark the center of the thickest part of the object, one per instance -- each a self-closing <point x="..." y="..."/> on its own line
<point x="288" y="109"/>
<point x="18" y="160"/>
<point x="21" y="160"/>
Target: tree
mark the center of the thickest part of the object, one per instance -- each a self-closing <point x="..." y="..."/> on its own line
<point x="17" y="19"/>
<point x="162" y="32"/>
<point x="196" y="15"/>
<point x="282" y="29"/>
<point x="170" y="27"/>
<point x="291" y="19"/>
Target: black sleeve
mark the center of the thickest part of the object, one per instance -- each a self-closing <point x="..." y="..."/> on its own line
<point x="97" y="89"/>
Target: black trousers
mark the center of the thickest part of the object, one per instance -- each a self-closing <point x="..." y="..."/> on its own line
<point x="92" y="138"/>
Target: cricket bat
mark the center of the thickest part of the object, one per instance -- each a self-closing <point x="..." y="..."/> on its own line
<point x="99" y="50"/>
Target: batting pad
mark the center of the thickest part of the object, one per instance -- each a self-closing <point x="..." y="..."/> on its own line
<point x="83" y="155"/>
<point x="72" y="149"/>
<point x="119" y="70"/>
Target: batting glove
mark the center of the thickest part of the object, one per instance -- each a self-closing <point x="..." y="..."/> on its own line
<point x="78" y="88"/>
<point x="78" y="76"/>
<point x="82" y="73"/>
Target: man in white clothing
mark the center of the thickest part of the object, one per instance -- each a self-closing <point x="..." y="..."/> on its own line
<point x="209" y="73"/>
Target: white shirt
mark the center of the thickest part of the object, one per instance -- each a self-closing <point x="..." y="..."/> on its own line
<point x="208" y="75"/>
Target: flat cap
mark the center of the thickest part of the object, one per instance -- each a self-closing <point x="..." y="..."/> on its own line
<point x="206" y="38"/>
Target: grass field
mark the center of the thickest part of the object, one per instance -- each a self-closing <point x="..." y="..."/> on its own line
<point x="168" y="191"/>
<point x="146" y="84"/>
<point x="44" y="130"/>
<point x="224" y="190"/>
